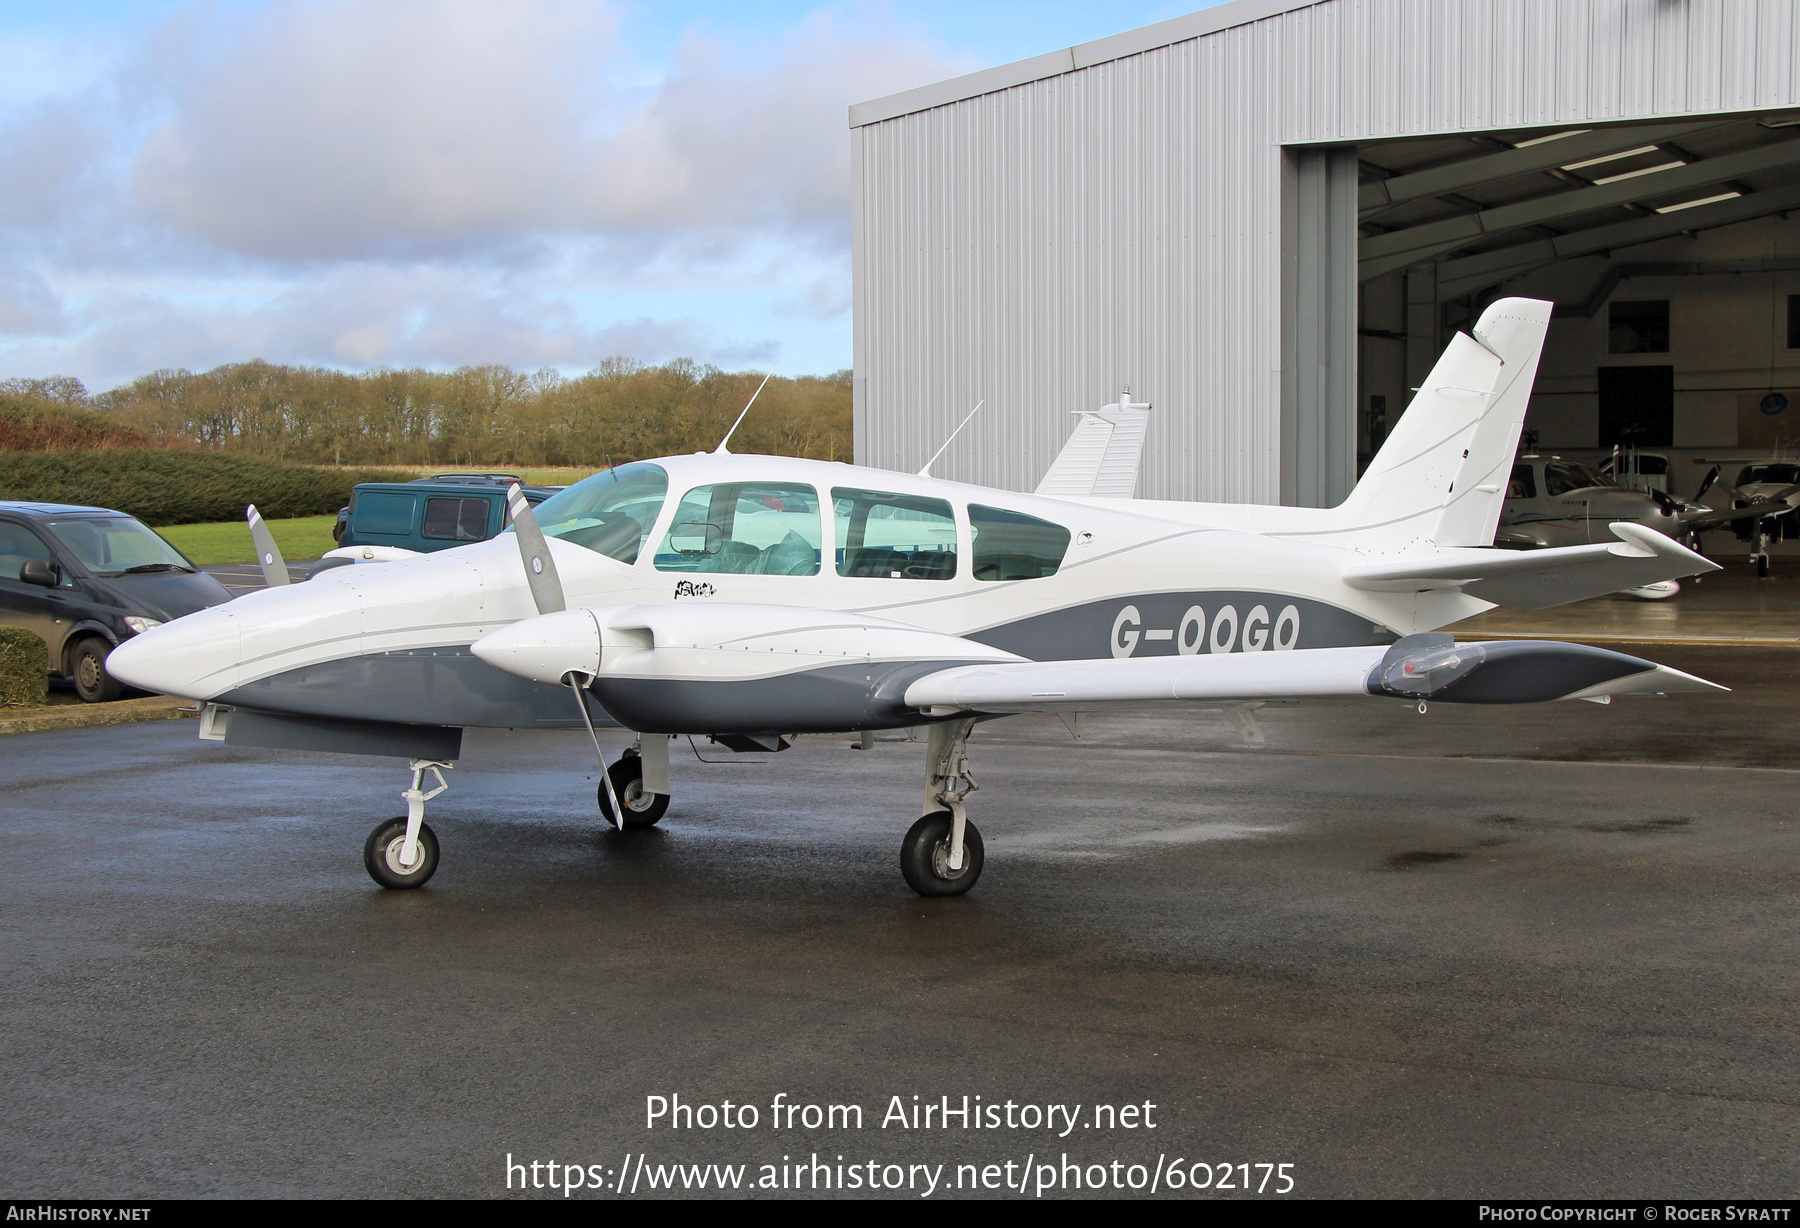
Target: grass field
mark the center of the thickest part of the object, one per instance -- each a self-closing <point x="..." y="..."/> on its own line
<point x="303" y="537"/>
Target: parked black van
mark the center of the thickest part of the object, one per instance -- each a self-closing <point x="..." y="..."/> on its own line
<point x="85" y="579"/>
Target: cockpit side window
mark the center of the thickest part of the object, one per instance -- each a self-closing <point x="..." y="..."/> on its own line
<point x="744" y="529"/>
<point x="609" y="513"/>
<point x="1523" y="484"/>
<point x="1014" y="546"/>
<point x="882" y="535"/>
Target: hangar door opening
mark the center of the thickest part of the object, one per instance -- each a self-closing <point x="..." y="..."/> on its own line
<point x="1670" y="248"/>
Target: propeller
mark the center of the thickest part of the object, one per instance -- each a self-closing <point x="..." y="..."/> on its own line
<point x="547" y="595"/>
<point x="268" y="554"/>
<point x="1706" y="483"/>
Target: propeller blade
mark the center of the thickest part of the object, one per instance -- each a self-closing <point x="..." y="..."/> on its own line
<point x="540" y="568"/>
<point x="268" y="554"/>
<point x="1706" y="483"/>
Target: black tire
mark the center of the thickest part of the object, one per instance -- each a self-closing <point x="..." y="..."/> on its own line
<point x="641" y="809"/>
<point x="87" y="666"/>
<point x="381" y="855"/>
<point x="926" y="850"/>
<point x="1762" y="566"/>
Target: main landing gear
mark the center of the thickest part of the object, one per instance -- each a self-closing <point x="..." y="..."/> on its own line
<point x="403" y="852"/>
<point x="942" y="854"/>
<point x="640" y="780"/>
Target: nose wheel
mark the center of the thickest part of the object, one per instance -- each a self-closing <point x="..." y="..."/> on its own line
<point x="384" y="855"/>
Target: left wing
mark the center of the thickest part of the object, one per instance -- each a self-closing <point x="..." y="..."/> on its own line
<point x="1429" y="666"/>
<point x="1536" y="579"/>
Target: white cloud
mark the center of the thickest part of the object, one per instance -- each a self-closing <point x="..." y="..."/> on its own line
<point x="343" y="130"/>
<point x="434" y="182"/>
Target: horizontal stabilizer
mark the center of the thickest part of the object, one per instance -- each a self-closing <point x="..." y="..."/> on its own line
<point x="1536" y="579"/>
<point x="1417" y="667"/>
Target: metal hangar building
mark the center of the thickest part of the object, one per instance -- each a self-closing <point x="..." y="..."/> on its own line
<point x="1268" y="218"/>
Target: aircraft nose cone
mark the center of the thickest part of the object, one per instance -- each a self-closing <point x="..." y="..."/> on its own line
<point x="194" y="657"/>
<point x="546" y="648"/>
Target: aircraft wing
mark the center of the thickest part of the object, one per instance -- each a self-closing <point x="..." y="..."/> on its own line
<point x="1429" y="666"/>
<point x="1535" y="579"/>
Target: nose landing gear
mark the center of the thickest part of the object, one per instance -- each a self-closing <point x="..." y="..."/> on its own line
<point x="403" y="852"/>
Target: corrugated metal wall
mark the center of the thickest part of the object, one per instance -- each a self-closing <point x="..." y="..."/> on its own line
<point x="1121" y="224"/>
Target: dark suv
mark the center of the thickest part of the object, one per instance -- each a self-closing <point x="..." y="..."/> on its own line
<point x="85" y="578"/>
<point x="426" y="514"/>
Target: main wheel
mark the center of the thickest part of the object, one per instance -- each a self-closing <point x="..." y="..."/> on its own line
<point x="92" y="682"/>
<point x="381" y="855"/>
<point x="925" y="856"/>
<point x="1762" y="566"/>
<point x="642" y="809"/>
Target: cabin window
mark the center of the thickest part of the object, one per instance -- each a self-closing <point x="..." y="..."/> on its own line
<point x="881" y="535"/>
<point x="610" y="513"/>
<point x="387" y="512"/>
<point x="1523" y="484"/>
<point x="1014" y="546"/>
<point x="460" y="520"/>
<point x="744" y="529"/>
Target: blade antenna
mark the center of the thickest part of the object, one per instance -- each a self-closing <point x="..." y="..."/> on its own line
<point x="268" y="554"/>
<point x="926" y="471"/>
<point x="720" y="450"/>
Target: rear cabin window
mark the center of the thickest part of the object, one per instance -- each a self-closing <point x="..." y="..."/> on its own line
<point x="383" y="511"/>
<point x="744" y="529"/>
<point x="887" y="536"/>
<point x="1014" y="546"/>
<point x="1523" y="484"/>
<point x="451" y="519"/>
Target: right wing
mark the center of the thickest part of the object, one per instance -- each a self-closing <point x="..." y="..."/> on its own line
<point x="371" y="554"/>
<point x="1417" y="667"/>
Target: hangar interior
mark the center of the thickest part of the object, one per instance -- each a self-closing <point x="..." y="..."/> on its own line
<point x="1671" y="250"/>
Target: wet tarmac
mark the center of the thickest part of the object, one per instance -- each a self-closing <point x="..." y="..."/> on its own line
<point x="1546" y="951"/>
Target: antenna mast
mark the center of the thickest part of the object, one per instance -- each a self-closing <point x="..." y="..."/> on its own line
<point x="926" y="471"/>
<point x="720" y="450"/>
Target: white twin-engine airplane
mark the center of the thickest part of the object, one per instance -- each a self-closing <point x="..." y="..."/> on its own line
<point x="749" y="598"/>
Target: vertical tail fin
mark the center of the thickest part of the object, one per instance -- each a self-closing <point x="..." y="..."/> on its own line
<point x="1440" y="477"/>
<point x="1101" y="458"/>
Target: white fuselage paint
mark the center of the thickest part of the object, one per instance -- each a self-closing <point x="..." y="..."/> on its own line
<point x="1117" y="554"/>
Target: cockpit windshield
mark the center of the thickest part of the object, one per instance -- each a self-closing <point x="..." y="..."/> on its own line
<point x="1563" y="476"/>
<point x="609" y="513"/>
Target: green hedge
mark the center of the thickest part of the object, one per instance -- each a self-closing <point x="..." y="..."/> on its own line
<point x="165" y="486"/>
<point x="28" y="424"/>
<point x="24" y="668"/>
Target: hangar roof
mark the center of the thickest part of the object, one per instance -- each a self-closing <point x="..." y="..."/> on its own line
<point x="1082" y="55"/>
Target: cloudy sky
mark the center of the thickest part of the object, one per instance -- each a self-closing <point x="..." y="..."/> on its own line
<point x="438" y="182"/>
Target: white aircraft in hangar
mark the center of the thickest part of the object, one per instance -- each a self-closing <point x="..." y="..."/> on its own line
<point x="752" y="598"/>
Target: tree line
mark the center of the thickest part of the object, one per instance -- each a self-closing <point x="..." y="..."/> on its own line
<point x="474" y="416"/>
